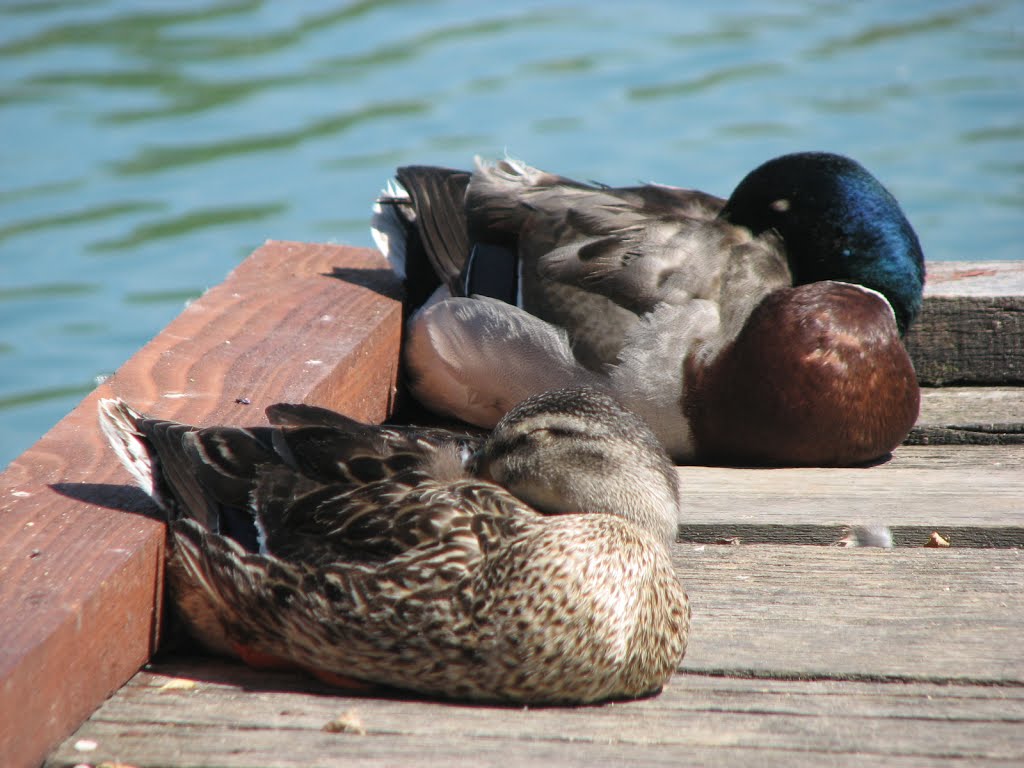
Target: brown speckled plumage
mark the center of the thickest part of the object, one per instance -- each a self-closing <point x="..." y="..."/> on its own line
<point x="390" y="557"/>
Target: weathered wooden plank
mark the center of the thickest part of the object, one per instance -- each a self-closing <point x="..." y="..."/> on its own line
<point x="941" y="406"/>
<point x="879" y="655"/>
<point x="971" y="329"/>
<point x="974" y="278"/>
<point x="859" y="614"/>
<point x="970" y="416"/>
<point x="156" y="694"/>
<point x="79" y="582"/>
<point x="699" y="720"/>
<point x="703" y="739"/>
<point x="972" y="494"/>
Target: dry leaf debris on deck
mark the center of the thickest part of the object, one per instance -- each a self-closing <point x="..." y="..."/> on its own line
<point x="347" y="722"/>
<point x="178" y="684"/>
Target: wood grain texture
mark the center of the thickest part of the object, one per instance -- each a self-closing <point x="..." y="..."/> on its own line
<point x="974" y="494"/>
<point x="792" y="612"/>
<point x="974" y="278"/>
<point x="80" y="582"/>
<point x="971" y="329"/>
<point x="232" y="719"/>
<point x="950" y="406"/>
<point x="970" y="416"/>
<point x="799" y="656"/>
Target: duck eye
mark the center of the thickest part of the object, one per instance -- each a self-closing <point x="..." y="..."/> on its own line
<point x="781" y="205"/>
<point x="548" y="433"/>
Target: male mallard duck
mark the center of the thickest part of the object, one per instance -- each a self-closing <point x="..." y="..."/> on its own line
<point x="762" y="329"/>
<point x="531" y="566"/>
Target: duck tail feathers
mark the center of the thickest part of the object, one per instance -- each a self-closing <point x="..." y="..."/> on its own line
<point x="442" y="242"/>
<point x="120" y="424"/>
<point x="164" y="458"/>
<point x="389" y="224"/>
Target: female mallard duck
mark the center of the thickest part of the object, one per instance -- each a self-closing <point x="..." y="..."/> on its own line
<point x="762" y="329"/>
<point x="531" y="566"/>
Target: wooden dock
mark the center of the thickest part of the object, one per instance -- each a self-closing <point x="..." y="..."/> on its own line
<point x="801" y="653"/>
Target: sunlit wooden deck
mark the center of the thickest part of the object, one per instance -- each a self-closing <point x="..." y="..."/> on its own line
<point x="801" y="653"/>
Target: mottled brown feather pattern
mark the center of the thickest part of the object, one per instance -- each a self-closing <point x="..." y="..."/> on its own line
<point x="446" y="585"/>
<point x="547" y="613"/>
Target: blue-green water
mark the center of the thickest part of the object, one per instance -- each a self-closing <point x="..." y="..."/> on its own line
<point x="148" y="147"/>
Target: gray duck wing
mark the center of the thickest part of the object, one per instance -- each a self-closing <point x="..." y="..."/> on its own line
<point x="595" y="258"/>
<point x="637" y="262"/>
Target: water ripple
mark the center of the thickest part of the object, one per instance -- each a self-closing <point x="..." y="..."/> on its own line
<point x="994" y="133"/>
<point x="864" y="100"/>
<point x="757" y="129"/>
<point x="363" y="159"/>
<point x="560" y="66"/>
<point x="212" y="48"/>
<point x="557" y="124"/>
<point x="45" y="394"/>
<point x="155" y="159"/>
<point x="36" y="7"/>
<point x="415" y="46"/>
<point x="188" y="222"/>
<point x="46" y="291"/>
<point x="187" y="95"/>
<point x="734" y="30"/>
<point x="705" y="82"/>
<point x="179" y="297"/>
<point x="883" y="33"/>
<point x="36" y="190"/>
<point x="192" y="95"/>
<point x="135" y="31"/>
<point x="69" y="218"/>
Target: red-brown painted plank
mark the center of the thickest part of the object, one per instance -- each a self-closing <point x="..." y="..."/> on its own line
<point x="80" y="581"/>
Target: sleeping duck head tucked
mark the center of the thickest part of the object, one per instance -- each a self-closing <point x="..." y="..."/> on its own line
<point x="762" y="329"/>
<point x="838" y="223"/>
